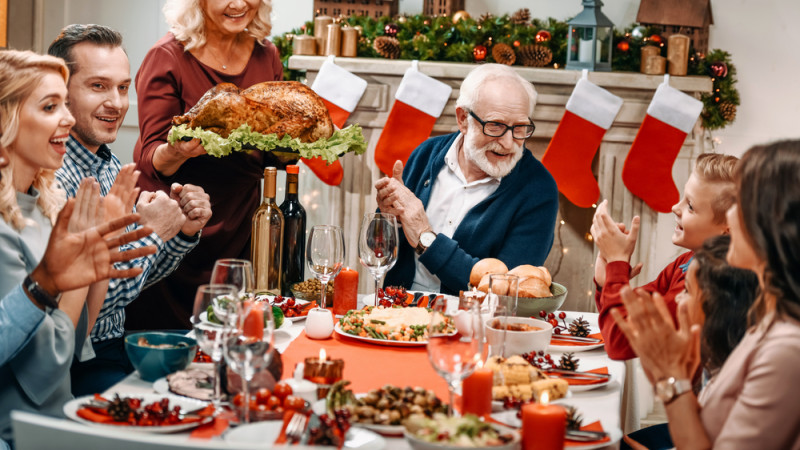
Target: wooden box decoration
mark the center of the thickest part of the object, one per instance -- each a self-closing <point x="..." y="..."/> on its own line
<point x="442" y="7"/>
<point x="371" y="8"/>
<point x="689" y="17"/>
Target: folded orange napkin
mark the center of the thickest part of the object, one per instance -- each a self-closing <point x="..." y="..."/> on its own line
<point x="287" y="416"/>
<point x="556" y="341"/>
<point x="212" y="429"/>
<point x="594" y="426"/>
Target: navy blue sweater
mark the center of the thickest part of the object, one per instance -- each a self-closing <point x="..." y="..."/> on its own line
<point x="515" y="224"/>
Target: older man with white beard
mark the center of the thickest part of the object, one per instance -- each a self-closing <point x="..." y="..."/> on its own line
<point x="473" y="194"/>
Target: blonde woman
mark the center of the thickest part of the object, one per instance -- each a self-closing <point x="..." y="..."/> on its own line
<point x="35" y="124"/>
<point x="209" y="42"/>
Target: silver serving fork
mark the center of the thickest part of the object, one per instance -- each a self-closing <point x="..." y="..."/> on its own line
<point x="296" y="428"/>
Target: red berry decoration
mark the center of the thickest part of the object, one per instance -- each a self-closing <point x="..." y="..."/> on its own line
<point x="542" y="314"/>
<point x="657" y="39"/>
<point x="543" y="36"/>
<point x="562" y="315"/>
<point x="391" y="29"/>
<point x="516" y="44"/>
<point x="719" y="69"/>
<point x="623" y="46"/>
<point x="479" y="53"/>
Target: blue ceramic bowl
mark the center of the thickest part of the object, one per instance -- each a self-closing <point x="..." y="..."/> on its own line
<point x="153" y="362"/>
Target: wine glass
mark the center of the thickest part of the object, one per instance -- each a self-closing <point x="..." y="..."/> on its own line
<point x="211" y="321"/>
<point x="377" y="245"/>
<point x="238" y="272"/>
<point x="502" y="300"/>
<point x="455" y="341"/>
<point x="324" y="257"/>
<point x="248" y="350"/>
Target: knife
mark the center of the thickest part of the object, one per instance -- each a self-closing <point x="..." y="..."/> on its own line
<point x="585" y="435"/>
<point x="567" y="337"/>
<point x="573" y="374"/>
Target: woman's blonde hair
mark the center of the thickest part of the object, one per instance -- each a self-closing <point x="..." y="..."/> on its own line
<point x="187" y="22"/>
<point x="20" y="74"/>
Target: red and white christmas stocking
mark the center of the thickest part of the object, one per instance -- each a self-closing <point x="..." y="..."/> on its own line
<point x="340" y="90"/>
<point x="648" y="167"/>
<point x="590" y="112"/>
<point x="419" y="101"/>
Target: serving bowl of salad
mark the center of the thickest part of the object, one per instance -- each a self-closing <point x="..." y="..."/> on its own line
<point x="451" y="433"/>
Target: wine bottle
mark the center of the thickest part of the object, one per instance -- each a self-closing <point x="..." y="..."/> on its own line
<point x="267" y="240"/>
<point x="294" y="233"/>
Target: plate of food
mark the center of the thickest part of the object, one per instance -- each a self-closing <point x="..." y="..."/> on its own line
<point x="309" y="290"/>
<point x="293" y="309"/>
<point x="389" y="326"/>
<point x="164" y="413"/>
<point x="445" y="433"/>
<point x="380" y="410"/>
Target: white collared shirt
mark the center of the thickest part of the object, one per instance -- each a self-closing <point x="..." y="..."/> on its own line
<point x="451" y="199"/>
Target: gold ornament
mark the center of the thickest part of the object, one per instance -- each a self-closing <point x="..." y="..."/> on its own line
<point x="386" y="46"/>
<point x="402" y="19"/>
<point x="458" y="16"/>
<point x="503" y="54"/>
<point x="533" y="55"/>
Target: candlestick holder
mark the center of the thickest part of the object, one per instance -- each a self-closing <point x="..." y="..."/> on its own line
<point x="323" y="372"/>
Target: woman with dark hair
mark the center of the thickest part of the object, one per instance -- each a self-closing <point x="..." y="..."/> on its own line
<point x="751" y="402"/>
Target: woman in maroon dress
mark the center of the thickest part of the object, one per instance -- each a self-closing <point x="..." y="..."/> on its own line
<point x="209" y="42"/>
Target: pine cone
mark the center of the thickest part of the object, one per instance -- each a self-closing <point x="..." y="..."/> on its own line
<point x="579" y="327"/>
<point x="728" y="111"/>
<point x="386" y="46"/>
<point x="485" y="17"/>
<point x="574" y="418"/>
<point x="521" y="17"/>
<point x="503" y="54"/>
<point x="568" y="361"/>
<point x="533" y="55"/>
<point x="119" y="409"/>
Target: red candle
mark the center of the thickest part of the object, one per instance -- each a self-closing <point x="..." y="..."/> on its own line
<point x="543" y="425"/>
<point x="477" y="392"/>
<point x="345" y="291"/>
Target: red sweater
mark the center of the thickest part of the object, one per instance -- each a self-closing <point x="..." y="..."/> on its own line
<point x="668" y="283"/>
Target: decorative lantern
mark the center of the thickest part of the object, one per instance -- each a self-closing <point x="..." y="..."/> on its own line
<point x="590" y="39"/>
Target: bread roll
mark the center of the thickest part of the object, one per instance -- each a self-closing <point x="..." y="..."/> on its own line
<point x="548" y="278"/>
<point x="526" y="271"/>
<point x="534" y="287"/>
<point x="486" y="266"/>
<point x="500" y="287"/>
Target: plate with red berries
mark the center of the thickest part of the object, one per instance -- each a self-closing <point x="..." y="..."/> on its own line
<point x="398" y="296"/>
<point x="151" y="413"/>
<point x="293" y="308"/>
<point x="572" y="332"/>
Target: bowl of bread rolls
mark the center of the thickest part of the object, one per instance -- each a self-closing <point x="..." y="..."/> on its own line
<point x="537" y="291"/>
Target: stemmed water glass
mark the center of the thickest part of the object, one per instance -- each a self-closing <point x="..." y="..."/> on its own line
<point x="248" y="350"/>
<point x="214" y="301"/>
<point x="238" y="272"/>
<point x="324" y="257"/>
<point x="502" y="301"/>
<point x="455" y="341"/>
<point x="377" y="245"/>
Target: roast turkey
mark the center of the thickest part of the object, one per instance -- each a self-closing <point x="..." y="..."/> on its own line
<point x="281" y="107"/>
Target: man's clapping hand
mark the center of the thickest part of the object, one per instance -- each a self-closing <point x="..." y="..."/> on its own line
<point x="195" y="204"/>
<point x="395" y="198"/>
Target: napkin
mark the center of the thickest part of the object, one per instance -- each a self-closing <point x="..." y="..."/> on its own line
<point x="214" y="428"/>
<point x="556" y="341"/>
<point x="287" y="416"/>
<point x="577" y="382"/>
<point x="594" y="426"/>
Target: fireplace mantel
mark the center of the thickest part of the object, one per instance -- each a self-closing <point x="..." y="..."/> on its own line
<point x="572" y="257"/>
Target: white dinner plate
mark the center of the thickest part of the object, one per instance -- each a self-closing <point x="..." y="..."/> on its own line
<point x="266" y="432"/>
<point x="319" y="408"/>
<point x="589" y="387"/>
<point x="594" y="328"/>
<point x="338" y="329"/>
<point x="71" y="411"/>
<point x="509" y="417"/>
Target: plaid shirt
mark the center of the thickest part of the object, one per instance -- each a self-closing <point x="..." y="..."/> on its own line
<point x="80" y="163"/>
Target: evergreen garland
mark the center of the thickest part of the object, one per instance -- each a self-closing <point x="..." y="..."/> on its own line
<point x="437" y="38"/>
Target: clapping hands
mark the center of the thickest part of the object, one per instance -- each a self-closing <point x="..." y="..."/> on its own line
<point x="395" y="198"/>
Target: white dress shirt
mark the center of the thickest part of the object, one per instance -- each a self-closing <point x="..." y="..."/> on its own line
<point x="451" y="198"/>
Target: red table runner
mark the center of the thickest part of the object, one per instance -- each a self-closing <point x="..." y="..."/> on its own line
<point x="369" y="366"/>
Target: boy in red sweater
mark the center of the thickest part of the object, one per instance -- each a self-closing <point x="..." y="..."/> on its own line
<point x="700" y="214"/>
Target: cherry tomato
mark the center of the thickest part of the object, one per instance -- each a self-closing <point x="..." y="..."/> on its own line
<point x="282" y="390"/>
<point x="238" y="399"/>
<point x="262" y="407"/>
<point x="262" y="395"/>
<point x="253" y="404"/>
<point x="390" y="291"/>
<point x="273" y="402"/>
<point x="294" y="403"/>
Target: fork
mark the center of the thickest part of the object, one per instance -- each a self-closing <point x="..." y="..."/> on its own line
<point x="296" y="427"/>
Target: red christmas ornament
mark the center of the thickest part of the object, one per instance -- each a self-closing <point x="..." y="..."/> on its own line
<point x="543" y="36"/>
<point x="719" y="69"/>
<point x="516" y="43"/>
<point x="623" y="46"/>
<point x="479" y="52"/>
<point x="391" y="29"/>
<point x="657" y="39"/>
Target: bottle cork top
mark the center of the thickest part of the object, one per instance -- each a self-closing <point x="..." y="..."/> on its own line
<point x="293" y="169"/>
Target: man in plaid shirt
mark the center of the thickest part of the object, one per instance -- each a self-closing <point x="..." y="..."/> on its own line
<point x="98" y="99"/>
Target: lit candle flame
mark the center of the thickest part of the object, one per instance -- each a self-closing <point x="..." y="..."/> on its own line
<point x="545" y="398"/>
<point x="322" y="355"/>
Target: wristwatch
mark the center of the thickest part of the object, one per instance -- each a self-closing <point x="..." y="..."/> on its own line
<point x="425" y="240"/>
<point x="39" y="294"/>
<point x="668" y="389"/>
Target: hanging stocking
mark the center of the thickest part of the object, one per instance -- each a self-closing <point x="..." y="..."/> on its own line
<point x="340" y="91"/>
<point x="590" y="112"/>
<point x="648" y="168"/>
<point x="419" y="101"/>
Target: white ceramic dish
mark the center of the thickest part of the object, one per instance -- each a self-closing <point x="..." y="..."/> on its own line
<point x="520" y="342"/>
<point x="267" y="431"/>
<point x="594" y="328"/>
<point x="419" y="444"/>
<point x="338" y="330"/>
<point x="71" y="411"/>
